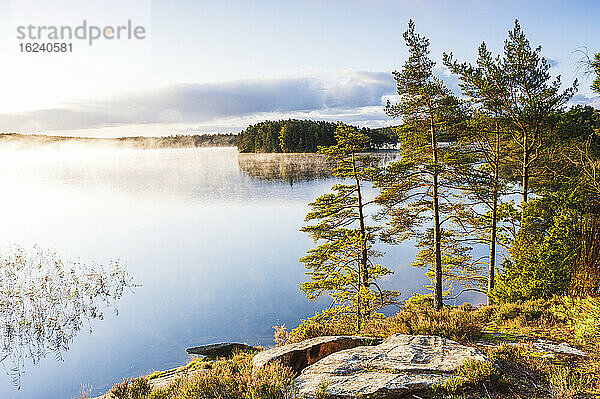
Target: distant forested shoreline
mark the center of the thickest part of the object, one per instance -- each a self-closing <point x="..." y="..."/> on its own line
<point x="295" y="136"/>
<point x="280" y="136"/>
<point x="175" y="141"/>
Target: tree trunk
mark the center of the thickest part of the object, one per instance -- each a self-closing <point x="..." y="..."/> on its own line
<point x="437" y="299"/>
<point x="363" y="237"/>
<point x="525" y="172"/>
<point x="492" y="263"/>
<point x="358" y="314"/>
<point x="494" y="227"/>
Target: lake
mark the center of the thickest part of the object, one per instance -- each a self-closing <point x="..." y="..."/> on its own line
<point x="210" y="237"/>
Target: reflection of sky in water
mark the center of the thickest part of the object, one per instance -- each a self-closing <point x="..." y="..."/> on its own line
<point x="215" y="250"/>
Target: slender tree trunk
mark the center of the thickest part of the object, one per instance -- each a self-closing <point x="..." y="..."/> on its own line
<point x="363" y="233"/>
<point x="494" y="227"/>
<point x="358" y="313"/>
<point x="363" y="271"/>
<point x="525" y="172"/>
<point x="492" y="264"/>
<point x="437" y="299"/>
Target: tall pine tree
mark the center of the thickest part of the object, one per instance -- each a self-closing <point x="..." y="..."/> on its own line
<point x="414" y="190"/>
<point x="486" y="139"/>
<point x="342" y="265"/>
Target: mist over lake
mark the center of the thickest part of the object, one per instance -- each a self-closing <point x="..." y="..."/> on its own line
<point x="212" y="249"/>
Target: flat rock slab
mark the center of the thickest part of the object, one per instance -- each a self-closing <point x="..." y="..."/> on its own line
<point x="563" y="347"/>
<point x="302" y="354"/>
<point x="400" y="365"/>
<point x="543" y="345"/>
<point x="223" y="349"/>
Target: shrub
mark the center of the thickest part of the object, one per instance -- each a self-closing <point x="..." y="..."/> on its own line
<point x="472" y="374"/>
<point x="417" y="317"/>
<point x="120" y="391"/>
<point x="320" y="325"/>
<point x="281" y="335"/>
<point x="273" y="381"/>
<point x="139" y="388"/>
<point x="583" y="314"/>
<point x="453" y="323"/>
<point x="227" y="378"/>
<point x="543" y="252"/>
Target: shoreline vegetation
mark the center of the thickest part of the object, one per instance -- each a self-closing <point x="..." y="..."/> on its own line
<point x="292" y="136"/>
<point x="138" y="142"/>
<point x="512" y="336"/>
<point x="304" y="136"/>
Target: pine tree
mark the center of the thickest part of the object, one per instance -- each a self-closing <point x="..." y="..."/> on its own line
<point x="484" y="178"/>
<point x="342" y="265"/>
<point x="413" y="189"/>
<point x="518" y="86"/>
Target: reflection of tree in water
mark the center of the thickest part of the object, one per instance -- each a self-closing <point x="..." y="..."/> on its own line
<point x="285" y="167"/>
<point x="45" y="301"/>
<point x="294" y="167"/>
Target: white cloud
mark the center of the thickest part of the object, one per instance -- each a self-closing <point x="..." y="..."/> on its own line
<point x="208" y="104"/>
<point x="582" y="99"/>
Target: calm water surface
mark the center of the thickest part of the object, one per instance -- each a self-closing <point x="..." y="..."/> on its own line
<point x="212" y="241"/>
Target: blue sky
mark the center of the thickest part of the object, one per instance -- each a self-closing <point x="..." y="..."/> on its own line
<point x="209" y="66"/>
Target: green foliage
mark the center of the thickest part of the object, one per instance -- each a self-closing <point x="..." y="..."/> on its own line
<point x="120" y="391"/>
<point x="543" y="253"/>
<point x="572" y="164"/>
<point x="587" y="325"/>
<point x="137" y="388"/>
<point x="293" y="135"/>
<point x="472" y="374"/>
<point x="518" y="90"/>
<point x="459" y="270"/>
<point x="583" y="314"/>
<point x="415" y="192"/>
<point x="417" y="317"/>
<point x="342" y="265"/>
<point x="323" y="324"/>
<point x="321" y="392"/>
<point x="452" y="323"/>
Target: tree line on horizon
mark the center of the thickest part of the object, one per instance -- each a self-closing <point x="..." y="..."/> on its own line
<point x="142" y="142"/>
<point x="297" y="136"/>
<point x="505" y="170"/>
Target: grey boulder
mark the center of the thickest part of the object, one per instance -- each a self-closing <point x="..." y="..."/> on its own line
<point x="223" y="349"/>
<point x="402" y="364"/>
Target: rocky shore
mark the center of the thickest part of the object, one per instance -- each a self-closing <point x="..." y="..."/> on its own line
<point x="344" y="367"/>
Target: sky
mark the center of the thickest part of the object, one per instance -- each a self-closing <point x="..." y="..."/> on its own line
<point x="218" y="66"/>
